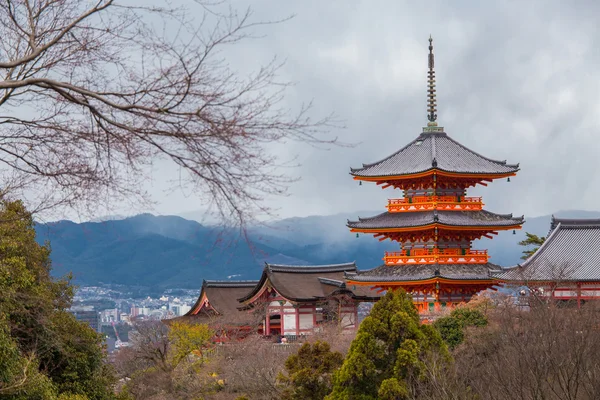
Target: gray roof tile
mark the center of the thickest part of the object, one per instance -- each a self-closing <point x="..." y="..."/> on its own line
<point x="303" y="282"/>
<point x="311" y="269"/>
<point x="437" y="150"/>
<point x="421" y="218"/>
<point x="418" y="272"/>
<point x="570" y="253"/>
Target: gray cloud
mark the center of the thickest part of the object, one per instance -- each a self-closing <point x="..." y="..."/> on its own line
<point x="516" y="81"/>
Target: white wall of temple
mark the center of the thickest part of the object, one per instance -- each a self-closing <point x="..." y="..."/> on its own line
<point x="302" y="319"/>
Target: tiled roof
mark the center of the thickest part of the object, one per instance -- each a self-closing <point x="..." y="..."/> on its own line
<point x="228" y="284"/>
<point x="222" y="296"/>
<point x="570" y="253"/>
<point x="333" y="282"/>
<point x="419" y="272"/>
<point x="303" y="283"/>
<point x="421" y="218"/>
<point x="434" y="150"/>
<point x="311" y="269"/>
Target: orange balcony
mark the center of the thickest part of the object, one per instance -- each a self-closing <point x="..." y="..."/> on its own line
<point x="425" y="203"/>
<point x="433" y="256"/>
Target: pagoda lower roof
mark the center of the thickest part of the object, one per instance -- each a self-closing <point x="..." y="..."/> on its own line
<point x="482" y="218"/>
<point x="434" y="151"/>
<point x="424" y="272"/>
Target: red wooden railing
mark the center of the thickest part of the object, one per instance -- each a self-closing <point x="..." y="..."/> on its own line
<point x="422" y="203"/>
<point x="439" y="256"/>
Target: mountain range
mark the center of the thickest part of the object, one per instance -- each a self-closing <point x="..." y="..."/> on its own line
<point x="173" y="252"/>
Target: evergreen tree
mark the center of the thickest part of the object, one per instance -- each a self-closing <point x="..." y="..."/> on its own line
<point x="387" y="355"/>
<point x="309" y="372"/>
<point x="35" y="328"/>
<point x="531" y="240"/>
<point x="452" y="328"/>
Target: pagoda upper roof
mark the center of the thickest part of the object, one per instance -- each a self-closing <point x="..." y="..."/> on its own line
<point x="423" y="272"/>
<point x="569" y="253"/>
<point x="434" y="150"/>
<point x="222" y="297"/>
<point x="304" y="282"/>
<point x="415" y="219"/>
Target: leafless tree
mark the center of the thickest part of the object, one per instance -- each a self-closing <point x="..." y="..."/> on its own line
<point x="93" y="93"/>
<point x="542" y="279"/>
<point x="251" y="367"/>
<point x="546" y="353"/>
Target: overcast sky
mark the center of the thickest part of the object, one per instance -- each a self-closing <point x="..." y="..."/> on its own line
<point x="516" y="81"/>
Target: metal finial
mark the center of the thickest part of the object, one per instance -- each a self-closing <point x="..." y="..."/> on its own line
<point x="431" y="101"/>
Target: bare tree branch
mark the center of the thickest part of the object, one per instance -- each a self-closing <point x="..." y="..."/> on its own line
<point x="92" y="94"/>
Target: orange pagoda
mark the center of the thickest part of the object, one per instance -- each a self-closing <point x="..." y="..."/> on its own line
<point x="435" y="221"/>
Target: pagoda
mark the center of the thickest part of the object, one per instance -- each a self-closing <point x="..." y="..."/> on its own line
<point x="435" y="221"/>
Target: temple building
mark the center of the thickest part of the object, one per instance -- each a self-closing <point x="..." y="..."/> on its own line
<point x="434" y="221"/>
<point x="565" y="267"/>
<point x="217" y="306"/>
<point x="296" y="300"/>
<point x="287" y="300"/>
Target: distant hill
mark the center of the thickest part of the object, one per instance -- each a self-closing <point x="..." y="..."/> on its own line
<point x="170" y="251"/>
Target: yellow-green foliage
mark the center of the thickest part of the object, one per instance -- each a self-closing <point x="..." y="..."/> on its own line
<point x="189" y="341"/>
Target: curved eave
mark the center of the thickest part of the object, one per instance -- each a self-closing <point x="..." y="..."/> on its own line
<point x="264" y="283"/>
<point x="439" y="172"/>
<point x="256" y="290"/>
<point x="523" y="281"/>
<point x="487" y="281"/>
<point x="199" y="302"/>
<point x="438" y="225"/>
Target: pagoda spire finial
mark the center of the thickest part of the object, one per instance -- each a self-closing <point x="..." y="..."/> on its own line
<point x="431" y="101"/>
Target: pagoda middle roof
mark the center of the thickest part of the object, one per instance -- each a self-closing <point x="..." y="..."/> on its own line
<point x="434" y="150"/>
<point x="423" y="272"/>
<point x="480" y="218"/>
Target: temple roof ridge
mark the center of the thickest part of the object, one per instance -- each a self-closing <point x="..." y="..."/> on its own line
<point x="229" y="283"/>
<point x="570" y="223"/>
<point x="311" y="268"/>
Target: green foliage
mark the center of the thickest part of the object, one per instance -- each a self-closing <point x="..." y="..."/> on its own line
<point x="451" y="330"/>
<point x="309" y="372"/>
<point x="469" y="316"/>
<point x="452" y="327"/>
<point x="387" y="355"/>
<point x="38" y="332"/>
<point x="531" y="240"/>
